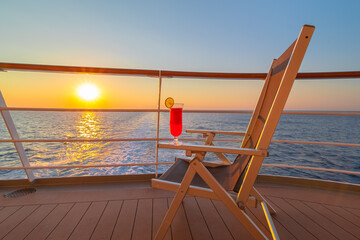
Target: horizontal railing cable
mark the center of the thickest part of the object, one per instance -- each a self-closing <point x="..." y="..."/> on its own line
<point x="310" y="168"/>
<point x="169" y="139"/>
<point x="166" y="110"/>
<point x="318" y="143"/>
<point x="168" y="163"/>
<point x="86" y="166"/>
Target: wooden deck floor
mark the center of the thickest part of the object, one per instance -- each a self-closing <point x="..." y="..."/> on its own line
<point x="134" y="211"/>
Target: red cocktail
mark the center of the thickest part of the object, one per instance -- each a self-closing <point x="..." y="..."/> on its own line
<point x="176" y="121"/>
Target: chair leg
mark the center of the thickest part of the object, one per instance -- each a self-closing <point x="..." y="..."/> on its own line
<point x="175" y="204"/>
<point x="260" y="198"/>
<point x="229" y="202"/>
<point x="270" y="222"/>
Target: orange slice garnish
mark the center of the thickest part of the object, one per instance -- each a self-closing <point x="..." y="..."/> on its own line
<point x="169" y="102"/>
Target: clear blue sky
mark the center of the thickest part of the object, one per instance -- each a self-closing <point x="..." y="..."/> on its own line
<point x="219" y="36"/>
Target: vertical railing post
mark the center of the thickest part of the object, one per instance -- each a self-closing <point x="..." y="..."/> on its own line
<point x="15" y="136"/>
<point x="158" y="125"/>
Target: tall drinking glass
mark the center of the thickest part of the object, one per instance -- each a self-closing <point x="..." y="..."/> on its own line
<point x="176" y="121"/>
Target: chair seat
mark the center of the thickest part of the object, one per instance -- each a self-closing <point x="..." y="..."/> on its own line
<point x="177" y="172"/>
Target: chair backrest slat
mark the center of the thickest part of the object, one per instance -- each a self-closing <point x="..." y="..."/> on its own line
<point x="272" y="100"/>
<point x="266" y="99"/>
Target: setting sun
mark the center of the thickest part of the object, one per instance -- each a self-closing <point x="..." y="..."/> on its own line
<point x="88" y="92"/>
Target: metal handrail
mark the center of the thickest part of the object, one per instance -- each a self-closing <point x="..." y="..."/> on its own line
<point x="165" y="73"/>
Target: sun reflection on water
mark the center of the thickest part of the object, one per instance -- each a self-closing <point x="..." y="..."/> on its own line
<point x="88" y="126"/>
<point x="94" y="125"/>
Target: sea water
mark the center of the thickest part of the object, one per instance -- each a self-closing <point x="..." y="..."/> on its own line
<point x="100" y="125"/>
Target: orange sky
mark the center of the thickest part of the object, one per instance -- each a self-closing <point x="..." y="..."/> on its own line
<point x="30" y="89"/>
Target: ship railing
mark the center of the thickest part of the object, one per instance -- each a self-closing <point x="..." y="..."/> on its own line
<point x="161" y="75"/>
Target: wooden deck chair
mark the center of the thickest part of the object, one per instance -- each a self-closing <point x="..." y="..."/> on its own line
<point x="216" y="181"/>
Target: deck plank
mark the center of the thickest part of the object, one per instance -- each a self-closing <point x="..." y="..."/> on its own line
<point x="106" y="224"/>
<point x="301" y="226"/>
<point x="12" y="221"/>
<point x="236" y="229"/>
<point x="7" y="211"/>
<point x="160" y="207"/>
<point x="143" y="220"/>
<point x="109" y="192"/>
<point x="354" y="211"/>
<point x="180" y="227"/>
<point x="124" y="225"/>
<point x="213" y="220"/>
<point x="301" y="213"/>
<point x="42" y="230"/>
<point x="26" y="226"/>
<point x="87" y="224"/>
<point x="69" y="222"/>
<point x="345" y="213"/>
<point x="197" y="224"/>
<point x="312" y="195"/>
<point x="340" y="221"/>
<point x="281" y="230"/>
<point x="255" y="215"/>
<point x="324" y="222"/>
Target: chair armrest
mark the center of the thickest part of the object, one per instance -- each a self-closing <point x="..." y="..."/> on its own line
<point x="208" y="148"/>
<point x="216" y="132"/>
<point x="210" y="164"/>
